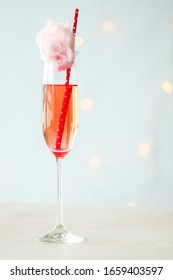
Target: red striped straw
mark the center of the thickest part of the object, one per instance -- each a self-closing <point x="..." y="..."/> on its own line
<point x="67" y="94"/>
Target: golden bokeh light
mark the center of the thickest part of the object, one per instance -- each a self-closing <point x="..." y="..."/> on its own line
<point x="167" y="87"/>
<point x="95" y="162"/>
<point x="79" y="41"/>
<point x="143" y="149"/>
<point x="108" y="26"/>
<point x="86" y="104"/>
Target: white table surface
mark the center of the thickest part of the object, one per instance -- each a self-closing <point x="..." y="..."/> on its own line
<point x="112" y="233"/>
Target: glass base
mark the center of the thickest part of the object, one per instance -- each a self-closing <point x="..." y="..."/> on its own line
<point x="60" y="234"/>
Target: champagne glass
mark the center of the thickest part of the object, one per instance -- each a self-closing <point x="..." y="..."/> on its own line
<point x="60" y="124"/>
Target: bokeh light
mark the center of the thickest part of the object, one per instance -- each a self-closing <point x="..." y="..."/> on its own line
<point x="167" y="87"/>
<point x="143" y="149"/>
<point x="79" y="41"/>
<point x="108" y="26"/>
<point x="95" y="162"/>
<point x="86" y="104"/>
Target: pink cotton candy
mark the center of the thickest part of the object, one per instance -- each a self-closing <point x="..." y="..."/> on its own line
<point x="56" y="43"/>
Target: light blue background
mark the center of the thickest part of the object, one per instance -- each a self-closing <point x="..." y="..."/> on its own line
<point x="122" y="72"/>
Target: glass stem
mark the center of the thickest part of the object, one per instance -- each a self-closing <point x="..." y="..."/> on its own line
<point x="59" y="217"/>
